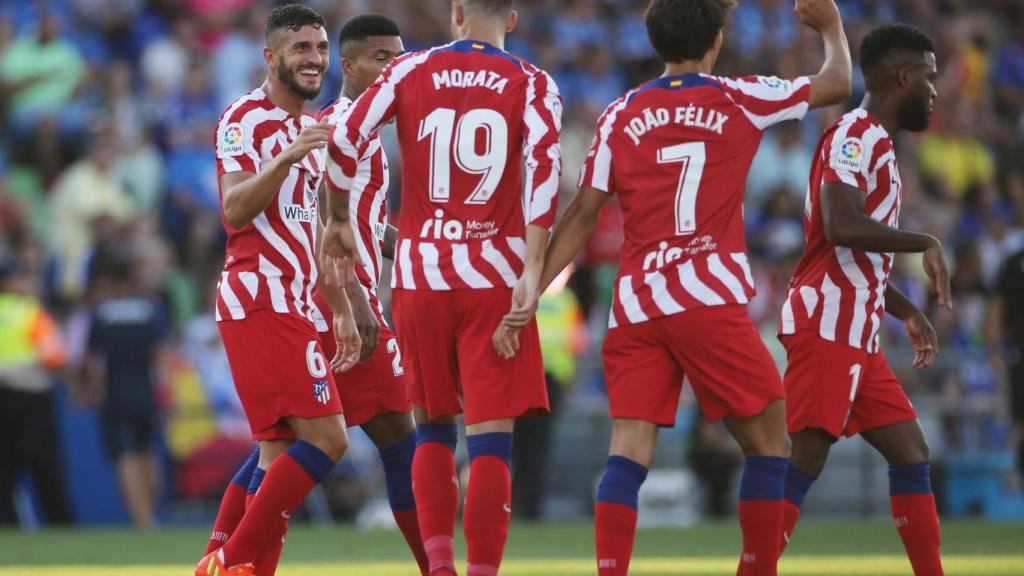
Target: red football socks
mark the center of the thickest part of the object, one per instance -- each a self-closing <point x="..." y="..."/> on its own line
<point x="409" y="524"/>
<point x="913" y="511"/>
<point x="790" y="516"/>
<point x="614" y="532"/>
<point x="487" y="514"/>
<point x="918" y="524"/>
<point x="615" y="513"/>
<point x="266" y="562"/>
<point x="436" y="489"/>
<point x="232" y="508"/>
<point x="289" y="479"/>
<point x="762" y="486"/>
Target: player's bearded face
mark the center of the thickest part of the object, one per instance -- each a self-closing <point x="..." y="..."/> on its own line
<point x="303" y="78"/>
<point x="915" y="111"/>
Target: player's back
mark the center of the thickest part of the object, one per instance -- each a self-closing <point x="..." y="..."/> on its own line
<point x="835" y="290"/>
<point x="677" y="151"/>
<point x="465" y="112"/>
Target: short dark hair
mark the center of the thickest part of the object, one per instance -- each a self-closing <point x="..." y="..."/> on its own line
<point x="888" y="39"/>
<point x="686" y="29"/>
<point x="362" y="27"/>
<point x="490" y="7"/>
<point x="293" y="17"/>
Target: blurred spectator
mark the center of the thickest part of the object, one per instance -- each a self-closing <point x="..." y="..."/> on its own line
<point x="783" y="160"/>
<point x="1009" y="74"/>
<point x="30" y="349"/>
<point x="952" y="155"/>
<point x="1007" y="330"/>
<point x="85" y="194"/>
<point x="43" y="71"/>
<point x="237" y="63"/>
<point x="562" y="338"/>
<point x="129" y="329"/>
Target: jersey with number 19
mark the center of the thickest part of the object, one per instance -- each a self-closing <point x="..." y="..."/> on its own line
<point x="677" y="151"/>
<point x="478" y="129"/>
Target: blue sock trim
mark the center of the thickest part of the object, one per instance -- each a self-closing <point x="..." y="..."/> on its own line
<point x="257" y="479"/>
<point x="798" y="483"/>
<point x="312" y="459"/>
<point x="244" y="475"/>
<point x="621" y="482"/>
<point x="763" y="478"/>
<point x="397" y="461"/>
<point x="912" y="479"/>
<point x="497" y="444"/>
<point x="447" y="434"/>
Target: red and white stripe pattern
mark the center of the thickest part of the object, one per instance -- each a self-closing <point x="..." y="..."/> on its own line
<point x="713" y="280"/>
<point x="368" y="202"/>
<point x="457" y="242"/>
<point x="663" y="270"/>
<point x="836" y="291"/>
<point x="270" y="262"/>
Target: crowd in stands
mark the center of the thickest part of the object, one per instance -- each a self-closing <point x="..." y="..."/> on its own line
<point x="107" y="116"/>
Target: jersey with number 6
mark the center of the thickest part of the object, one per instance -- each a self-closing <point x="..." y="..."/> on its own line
<point x="470" y="117"/>
<point x="677" y="151"/>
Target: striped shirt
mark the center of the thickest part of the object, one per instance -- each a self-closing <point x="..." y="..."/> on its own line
<point x="478" y="129"/>
<point x="677" y="151"/>
<point x="839" y="292"/>
<point x="269" y="262"/>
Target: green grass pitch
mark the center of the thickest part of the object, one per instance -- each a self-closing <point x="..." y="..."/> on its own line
<point x="850" y="548"/>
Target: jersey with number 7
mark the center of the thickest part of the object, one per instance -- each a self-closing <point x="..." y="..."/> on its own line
<point x="469" y="117"/>
<point x="677" y="151"/>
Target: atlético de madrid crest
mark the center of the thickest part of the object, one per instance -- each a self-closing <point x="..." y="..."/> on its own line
<point x="322" y="391"/>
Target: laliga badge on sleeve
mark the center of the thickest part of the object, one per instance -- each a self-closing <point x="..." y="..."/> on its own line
<point x="850" y="155"/>
<point x="229" y="141"/>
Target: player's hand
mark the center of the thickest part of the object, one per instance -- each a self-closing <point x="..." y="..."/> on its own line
<point x="923" y="339"/>
<point x="820" y="15"/>
<point x="338" y="253"/>
<point x="312" y="137"/>
<point x="349" y="345"/>
<point x="366" y="323"/>
<point x="525" y="296"/>
<point x="506" y="341"/>
<point x="934" y="262"/>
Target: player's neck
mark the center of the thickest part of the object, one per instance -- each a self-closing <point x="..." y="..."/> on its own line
<point x="883" y="111"/>
<point x="284" y="98"/>
<point x="483" y="33"/>
<point x="687" y="67"/>
<point x="349" y="91"/>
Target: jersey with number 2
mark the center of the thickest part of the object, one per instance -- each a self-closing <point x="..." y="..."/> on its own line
<point x="677" y="151"/>
<point x="478" y="128"/>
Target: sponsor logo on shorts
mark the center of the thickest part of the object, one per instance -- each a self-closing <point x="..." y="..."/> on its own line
<point x="322" y="391"/>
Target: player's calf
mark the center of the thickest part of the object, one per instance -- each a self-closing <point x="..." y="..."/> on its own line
<point x="910" y="492"/>
<point x="436" y="490"/>
<point x="488" y="508"/>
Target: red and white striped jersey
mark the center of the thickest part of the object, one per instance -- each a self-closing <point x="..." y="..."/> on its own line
<point x="677" y="151"/>
<point x="836" y="291"/>
<point x="367" y="203"/>
<point x="473" y="122"/>
<point x="270" y="262"/>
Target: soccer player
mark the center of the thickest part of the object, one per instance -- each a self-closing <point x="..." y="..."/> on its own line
<point x="676" y="151"/>
<point x="838" y="381"/>
<point x="477" y="126"/>
<point x="374" y="391"/>
<point x="270" y="159"/>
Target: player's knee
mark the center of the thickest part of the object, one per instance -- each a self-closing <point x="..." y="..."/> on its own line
<point x="333" y="443"/>
<point x="766" y="445"/>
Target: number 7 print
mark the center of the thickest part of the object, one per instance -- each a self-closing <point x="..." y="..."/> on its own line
<point x="692" y="156"/>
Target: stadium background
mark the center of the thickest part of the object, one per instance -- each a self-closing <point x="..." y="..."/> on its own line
<point x="107" y="153"/>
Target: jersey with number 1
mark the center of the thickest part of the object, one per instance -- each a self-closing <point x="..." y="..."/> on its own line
<point x="478" y="130"/>
<point x="677" y="151"/>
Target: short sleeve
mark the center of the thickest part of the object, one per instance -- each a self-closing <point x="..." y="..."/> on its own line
<point x="596" y="171"/>
<point x="768" y="100"/>
<point x="849" y="153"/>
<point x="237" y="146"/>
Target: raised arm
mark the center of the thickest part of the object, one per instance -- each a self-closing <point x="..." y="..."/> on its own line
<point x="832" y="84"/>
<point x="845" y="224"/>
